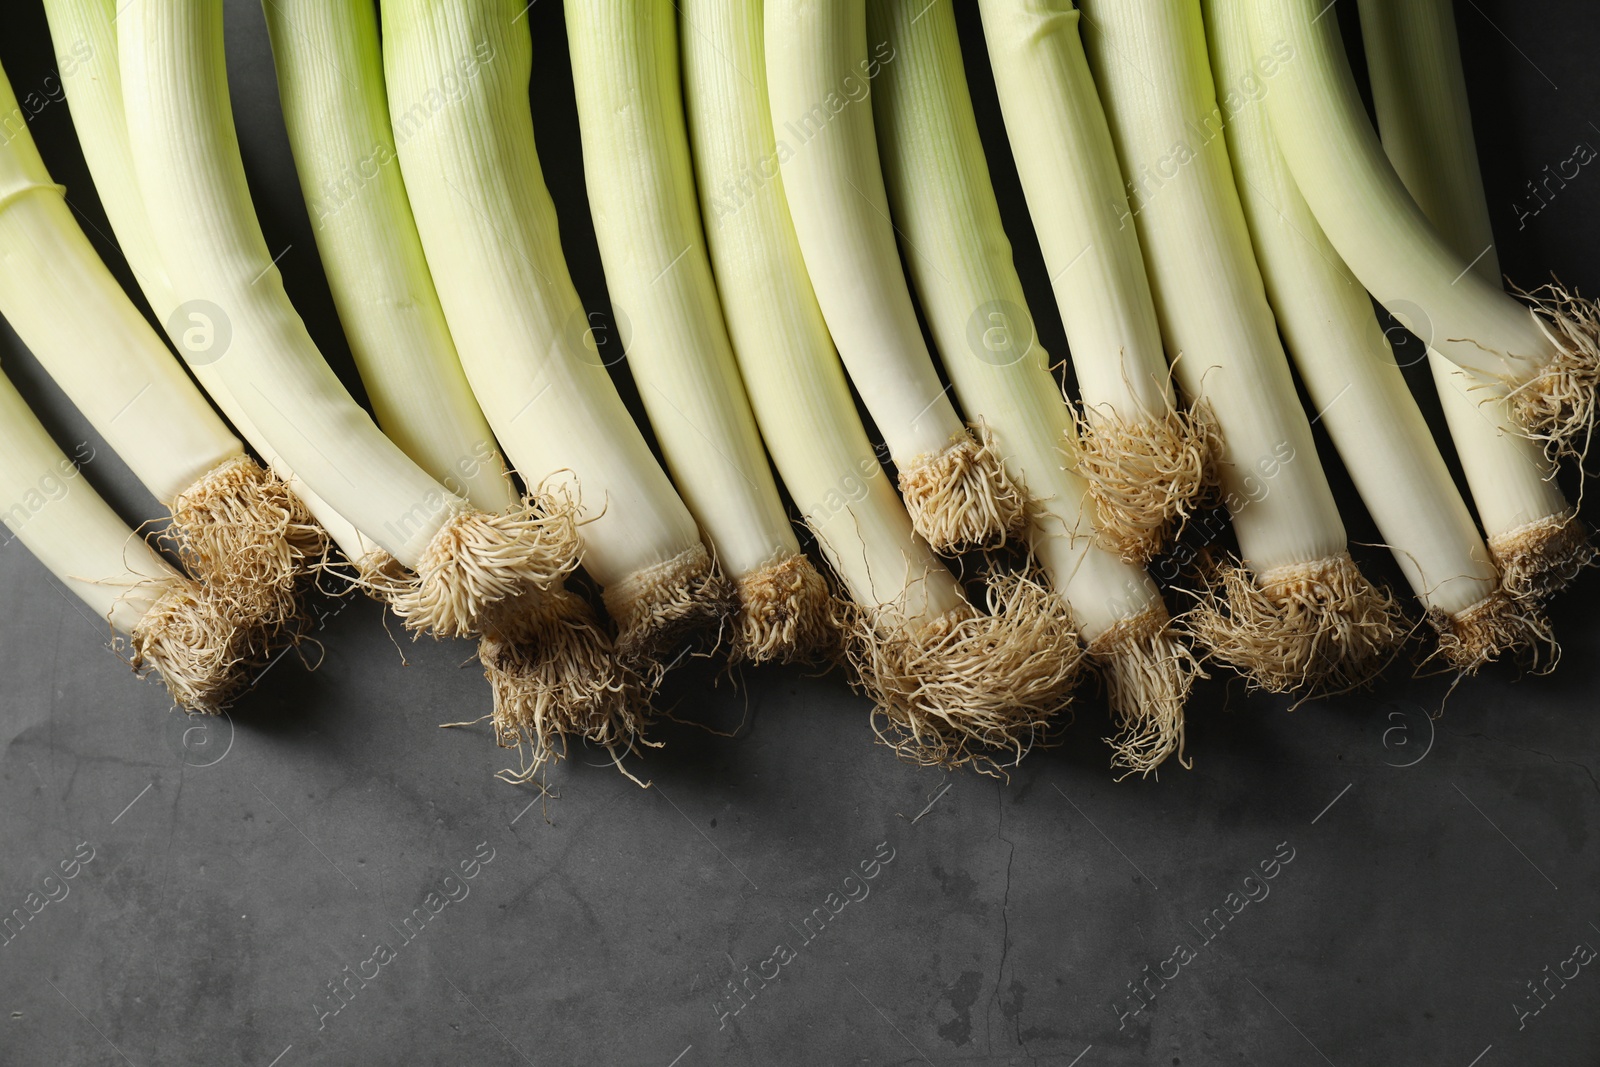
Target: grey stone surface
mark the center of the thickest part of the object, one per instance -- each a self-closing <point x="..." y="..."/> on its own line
<point x="226" y="872"/>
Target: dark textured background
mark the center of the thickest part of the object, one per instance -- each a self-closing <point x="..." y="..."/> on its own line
<point x="240" y="864"/>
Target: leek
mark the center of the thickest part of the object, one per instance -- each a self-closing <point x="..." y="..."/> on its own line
<point x="172" y="627"/>
<point x="237" y="527"/>
<point x="330" y="80"/>
<point x="1419" y="87"/>
<point x="1546" y="352"/>
<point x="944" y="207"/>
<point x="1146" y="462"/>
<point x="220" y="530"/>
<point x="457" y="78"/>
<point x="1350" y="374"/>
<point x="819" y="76"/>
<point x="190" y="174"/>
<point x="947" y="681"/>
<point x="647" y="218"/>
<point x="1297" y="612"/>
<point x="549" y="658"/>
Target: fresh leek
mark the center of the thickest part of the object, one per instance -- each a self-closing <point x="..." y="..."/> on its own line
<point x="1351" y="376"/>
<point x="549" y="658"/>
<point x="1147" y="462"/>
<point x="1546" y="351"/>
<point x="192" y="179"/>
<point x="647" y="218"/>
<point x="238" y="527"/>
<point x="172" y="627"/>
<point x="819" y="82"/>
<point x="489" y="229"/>
<point x="1420" y="91"/>
<point x="945" y="210"/>
<point x="948" y="682"/>
<point x="1297" y="612"/>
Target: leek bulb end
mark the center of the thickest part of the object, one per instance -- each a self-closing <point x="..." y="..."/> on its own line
<point x="961" y="498"/>
<point x="967" y="687"/>
<point x="1312" y="628"/>
<point x="1147" y="672"/>
<point x="786" y="614"/>
<point x="1147" y="476"/>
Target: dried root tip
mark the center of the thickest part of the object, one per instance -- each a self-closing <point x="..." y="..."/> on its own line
<point x="249" y="539"/>
<point x="1557" y="405"/>
<point x="200" y="652"/>
<point x="785" y="615"/>
<point x="953" y="690"/>
<point x="962" y="498"/>
<point x="555" y="677"/>
<point x="1495" y="626"/>
<point x="1147" y="477"/>
<point x="1541" y="558"/>
<point x="1147" y="673"/>
<point x="659" y="607"/>
<point x="478" y="560"/>
<point x="381" y="576"/>
<point x="1316" y="627"/>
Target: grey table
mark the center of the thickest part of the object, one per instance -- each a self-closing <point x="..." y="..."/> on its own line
<point x="324" y="876"/>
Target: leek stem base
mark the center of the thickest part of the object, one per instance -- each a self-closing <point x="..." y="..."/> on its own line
<point x="786" y="614"/>
<point x="1313" y="628"/>
<point x="951" y="690"/>
<point x="1541" y="558"/>
<point x="1147" y="674"/>
<point x="1147" y="476"/>
<point x="962" y="498"/>
<point x="242" y="533"/>
<point x="1498" y="625"/>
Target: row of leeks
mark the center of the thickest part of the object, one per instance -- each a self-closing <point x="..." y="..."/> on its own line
<point x="775" y="196"/>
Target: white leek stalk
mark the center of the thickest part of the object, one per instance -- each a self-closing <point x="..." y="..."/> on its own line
<point x="86" y="30"/>
<point x="192" y="179"/>
<point x="1146" y="462"/>
<point x="330" y="80"/>
<point x="238" y="528"/>
<point x="490" y="232"/>
<point x="1548" y="354"/>
<point x="172" y="627"/>
<point x="1350" y="374"/>
<point x="647" y="219"/>
<point x="1298" y="613"/>
<point x="944" y="207"/>
<point x="549" y="659"/>
<point x="946" y="680"/>
<point x="819" y="75"/>
<point x="1420" y="90"/>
